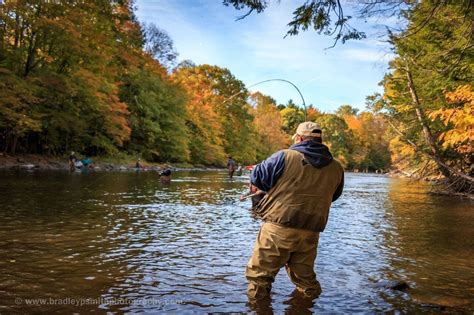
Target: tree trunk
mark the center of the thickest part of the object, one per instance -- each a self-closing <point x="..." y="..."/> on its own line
<point x="15" y="140"/>
<point x="31" y="54"/>
<point x="17" y="31"/>
<point x="420" y="114"/>
<point x="32" y="45"/>
<point x="7" y="141"/>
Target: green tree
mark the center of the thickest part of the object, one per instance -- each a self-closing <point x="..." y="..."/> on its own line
<point x="18" y="113"/>
<point x="344" y="110"/>
<point x="291" y="117"/>
<point x="157" y="117"/>
<point x="65" y="55"/>
<point x="430" y="61"/>
<point x="337" y="136"/>
<point x="234" y="113"/>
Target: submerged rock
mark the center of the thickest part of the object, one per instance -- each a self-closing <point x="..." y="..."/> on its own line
<point x="398" y="285"/>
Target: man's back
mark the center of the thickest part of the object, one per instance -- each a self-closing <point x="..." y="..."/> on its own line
<point x="303" y="194"/>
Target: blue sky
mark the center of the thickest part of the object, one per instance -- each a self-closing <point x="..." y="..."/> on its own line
<point x="253" y="49"/>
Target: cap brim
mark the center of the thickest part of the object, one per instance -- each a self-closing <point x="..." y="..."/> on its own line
<point x="294" y="136"/>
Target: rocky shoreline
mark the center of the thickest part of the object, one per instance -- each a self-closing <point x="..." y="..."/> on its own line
<point x="40" y="162"/>
<point x="54" y="163"/>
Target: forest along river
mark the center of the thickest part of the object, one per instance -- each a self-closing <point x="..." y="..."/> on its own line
<point x="126" y="242"/>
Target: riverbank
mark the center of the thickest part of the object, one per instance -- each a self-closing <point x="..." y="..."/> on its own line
<point x="117" y="163"/>
<point x="439" y="185"/>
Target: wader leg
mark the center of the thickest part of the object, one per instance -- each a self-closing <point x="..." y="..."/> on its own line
<point x="300" y="267"/>
<point x="263" y="266"/>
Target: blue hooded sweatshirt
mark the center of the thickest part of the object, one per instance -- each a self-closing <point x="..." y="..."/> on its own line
<point x="266" y="174"/>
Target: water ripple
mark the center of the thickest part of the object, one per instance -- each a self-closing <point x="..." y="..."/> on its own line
<point x="184" y="247"/>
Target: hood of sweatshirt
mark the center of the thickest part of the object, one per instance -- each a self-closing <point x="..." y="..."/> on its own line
<point x="317" y="154"/>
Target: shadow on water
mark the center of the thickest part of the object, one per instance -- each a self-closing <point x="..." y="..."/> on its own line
<point x="129" y="243"/>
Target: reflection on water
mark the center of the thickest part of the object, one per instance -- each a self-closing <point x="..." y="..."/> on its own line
<point x="184" y="246"/>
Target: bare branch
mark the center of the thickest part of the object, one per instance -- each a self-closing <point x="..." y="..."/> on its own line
<point x="245" y="15"/>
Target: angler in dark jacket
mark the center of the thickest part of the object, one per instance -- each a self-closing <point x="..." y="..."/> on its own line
<point x="300" y="184"/>
<point x="165" y="176"/>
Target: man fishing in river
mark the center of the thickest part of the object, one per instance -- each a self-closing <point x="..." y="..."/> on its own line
<point x="300" y="184"/>
<point x="230" y="167"/>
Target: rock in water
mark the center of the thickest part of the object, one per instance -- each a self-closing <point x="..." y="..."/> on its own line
<point x="398" y="285"/>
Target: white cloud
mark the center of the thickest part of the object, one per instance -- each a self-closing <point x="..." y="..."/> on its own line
<point x="367" y="55"/>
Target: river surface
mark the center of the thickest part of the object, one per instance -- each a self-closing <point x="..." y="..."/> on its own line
<point x="123" y="242"/>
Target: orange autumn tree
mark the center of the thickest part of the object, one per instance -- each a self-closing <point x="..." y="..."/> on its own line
<point x="203" y="122"/>
<point x="219" y="118"/>
<point x="458" y="122"/>
<point x="369" y="141"/>
<point x="268" y="126"/>
<point x="312" y="113"/>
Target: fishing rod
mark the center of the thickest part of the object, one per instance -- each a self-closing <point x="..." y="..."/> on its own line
<point x="270" y="80"/>
<point x="242" y="198"/>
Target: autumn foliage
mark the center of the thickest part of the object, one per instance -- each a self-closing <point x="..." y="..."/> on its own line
<point x="87" y="76"/>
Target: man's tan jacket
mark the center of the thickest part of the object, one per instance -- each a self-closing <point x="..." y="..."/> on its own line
<point x="303" y="194"/>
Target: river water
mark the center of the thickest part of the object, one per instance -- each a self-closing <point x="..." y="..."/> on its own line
<point x="123" y="242"/>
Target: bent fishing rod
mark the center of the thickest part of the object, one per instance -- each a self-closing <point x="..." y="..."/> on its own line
<point x="270" y="80"/>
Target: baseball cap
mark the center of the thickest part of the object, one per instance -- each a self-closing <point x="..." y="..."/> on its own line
<point x="308" y="129"/>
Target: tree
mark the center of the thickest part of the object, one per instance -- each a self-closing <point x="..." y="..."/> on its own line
<point x="157" y="117"/>
<point x="202" y="120"/>
<point x="318" y="14"/>
<point x="160" y="45"/>
<point x="369" y="141"/>
<point x="457" y="134"/>
<point x="337" y="135"/>
<point x="64" y="54"/>
<point x="291" y="117"/>
<point x="328" y="16"/>
<point x="431" y="60"/>
<point x="218" y="118"/>
<point x="186" y="64"/>
<point x="234" y="112"/>
<point x="18" y="116"/>
<point x="270" y="136"/>
<point x="312" y="113"/>
<point x="344" y="110"/>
